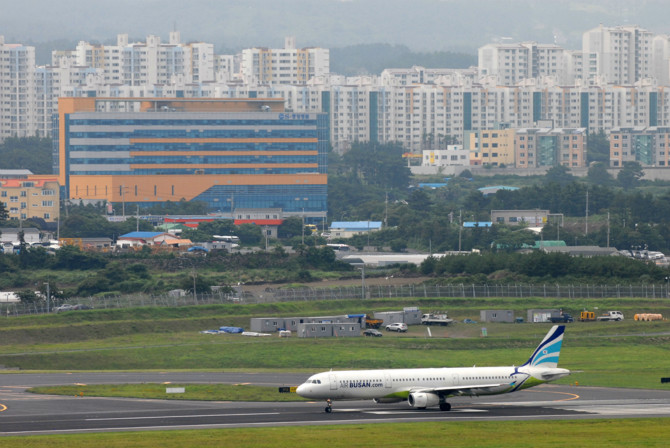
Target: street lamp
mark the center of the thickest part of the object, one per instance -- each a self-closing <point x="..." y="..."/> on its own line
<point x="231" y="199"/>
<point x="49" y="296"/>
<point x="362" y="266"/>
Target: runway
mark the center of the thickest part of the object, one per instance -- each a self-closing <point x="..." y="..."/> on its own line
<point x="23" y="413"/>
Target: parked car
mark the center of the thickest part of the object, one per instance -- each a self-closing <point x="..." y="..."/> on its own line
<point x="397" y="326"/>
<point x="469" y="321"/>
<point x="80" y="306"/>
<point x="372" y="332"/>
<point x="65" y="307"/>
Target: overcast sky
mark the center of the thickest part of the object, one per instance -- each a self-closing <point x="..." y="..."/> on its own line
<point x="423" y="25"/>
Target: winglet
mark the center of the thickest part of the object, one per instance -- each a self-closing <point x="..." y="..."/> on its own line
<point x="546" y="354"/>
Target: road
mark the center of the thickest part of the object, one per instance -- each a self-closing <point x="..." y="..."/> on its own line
<point x="23" y="413"/>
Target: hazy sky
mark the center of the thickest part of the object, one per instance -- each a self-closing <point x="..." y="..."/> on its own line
<point x="423" y="25"/>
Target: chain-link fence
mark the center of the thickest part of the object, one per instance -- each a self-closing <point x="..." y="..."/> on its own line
<point x="356" y="292"/>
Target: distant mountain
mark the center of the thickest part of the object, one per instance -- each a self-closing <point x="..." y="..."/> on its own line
<point x="421" y="25"/>
<point x="373" y="58"/>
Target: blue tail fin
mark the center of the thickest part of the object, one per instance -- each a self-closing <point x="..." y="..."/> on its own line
<point x="546" y="354"/>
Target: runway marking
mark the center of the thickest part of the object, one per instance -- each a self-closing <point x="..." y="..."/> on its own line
<point x="626" y="409"/>
<point x="573" y="397"/>
<point x="2" y="407"/>
<point x="459" y="411"/>
<point x="181" y="416"/>
<point x="252" y="425"/>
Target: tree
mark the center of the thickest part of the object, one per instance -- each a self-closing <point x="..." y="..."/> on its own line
<point x="629" y="176"/>
<point x="512" y="240"/>
<point x="560" y="174"/>
<point x="419" y="200"/>
<point x="377" y="164"/>
<point x="28" y="296"/>
<point x="249" y="234"/>
<point x="599" y="175"/>
<point x="291" y="227"/>
<point x="599" y="148"/>
<point x="32" y="153"/>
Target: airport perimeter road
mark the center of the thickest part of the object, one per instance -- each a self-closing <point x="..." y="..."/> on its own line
<point x="23" y="413"/>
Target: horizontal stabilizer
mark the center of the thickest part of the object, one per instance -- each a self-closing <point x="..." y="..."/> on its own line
<point x="552" y="374"/>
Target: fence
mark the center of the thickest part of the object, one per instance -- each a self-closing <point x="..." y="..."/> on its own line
<point x="360" y="292"/>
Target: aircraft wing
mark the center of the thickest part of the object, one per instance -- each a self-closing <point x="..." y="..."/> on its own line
<point x="461" y="390"/>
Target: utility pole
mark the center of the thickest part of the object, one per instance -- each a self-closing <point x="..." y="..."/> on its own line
<point x="123" y="201"/>
<point x="386" y="210"/>
<point x="460" y="228"/>
<point x="608" y="229"/>
<point x="586" y="229"/>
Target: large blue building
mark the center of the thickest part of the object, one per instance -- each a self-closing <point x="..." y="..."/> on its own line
<point x="229" y="153"/>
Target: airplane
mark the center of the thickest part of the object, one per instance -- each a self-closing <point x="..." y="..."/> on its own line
<point x="423" y="388"/>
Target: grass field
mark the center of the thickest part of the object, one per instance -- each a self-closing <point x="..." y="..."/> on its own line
<point x="205" y="392"/>
<point x="638" y="433"/>
<point x="148" y="339"/>
<point x="605" y="353"/>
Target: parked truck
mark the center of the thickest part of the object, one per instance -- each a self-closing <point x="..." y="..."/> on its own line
<point x="562" y="318"/>
<point x="436" y="319"/>
<point x="611" y="315"/>
<point x="371" y="322"/>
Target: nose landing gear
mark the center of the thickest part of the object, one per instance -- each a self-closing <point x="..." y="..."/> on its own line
<point x="329" y="408"/>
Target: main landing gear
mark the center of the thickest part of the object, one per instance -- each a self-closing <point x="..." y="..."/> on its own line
<point x="329" y="408"/>
<point x="445" y="406"/>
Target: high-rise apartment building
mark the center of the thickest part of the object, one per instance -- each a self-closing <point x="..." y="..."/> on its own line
<point x="17" y="93"/>
<point x="512" y="63"/>
<point x="618" y="55"/>
<point x="288" y="65"/>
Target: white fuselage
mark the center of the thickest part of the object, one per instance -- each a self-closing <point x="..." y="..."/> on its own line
<point x="362" y="384"/>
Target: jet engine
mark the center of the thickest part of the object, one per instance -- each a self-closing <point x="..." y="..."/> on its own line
<point x="386" y="400"/>
<point x="421" y="400"/>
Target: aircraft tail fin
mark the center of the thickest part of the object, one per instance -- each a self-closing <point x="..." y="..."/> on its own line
<point x="546" y="354"/>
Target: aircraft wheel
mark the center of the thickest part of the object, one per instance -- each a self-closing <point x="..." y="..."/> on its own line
<point x="329" y="409"/>
<point x="445" y="407"/>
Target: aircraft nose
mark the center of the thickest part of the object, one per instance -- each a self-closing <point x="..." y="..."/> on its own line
<point x="301" y="389"/>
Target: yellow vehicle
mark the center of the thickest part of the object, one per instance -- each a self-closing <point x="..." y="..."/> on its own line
<point x="312" y="228"/>
<point x="587" y="316"/>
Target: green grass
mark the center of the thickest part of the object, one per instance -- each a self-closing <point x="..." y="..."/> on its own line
<point x="205" y="392"/>
<point x="574" y="433"/>
<point x="594" y="348"/>
<point x="168" y="338"/>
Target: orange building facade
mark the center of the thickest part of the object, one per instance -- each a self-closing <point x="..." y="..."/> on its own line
<point x="228" y="153"/>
